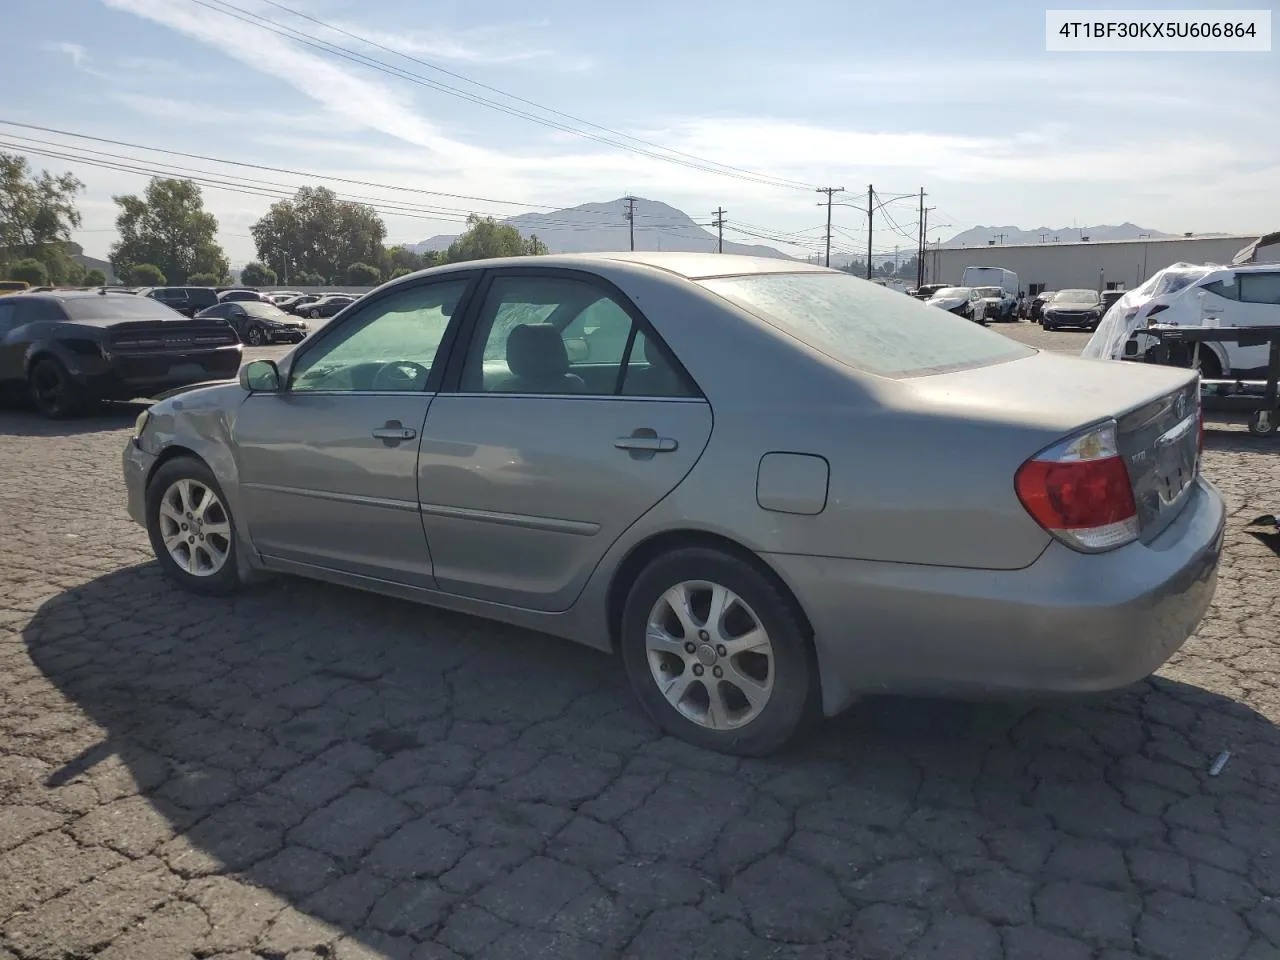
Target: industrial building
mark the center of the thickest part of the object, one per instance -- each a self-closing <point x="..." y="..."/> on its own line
<point x="1110" y="265"/>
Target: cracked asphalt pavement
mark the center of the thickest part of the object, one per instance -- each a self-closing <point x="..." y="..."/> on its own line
<point x="310" y="772"/>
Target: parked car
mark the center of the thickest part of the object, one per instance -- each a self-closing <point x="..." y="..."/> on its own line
<point x="928" y="290"/>
<point x="1188" y="295"/>
<point x="1072" y="308"/>
<point x="753" y="569"/>
<point x="962" y="301"/>
<point x="996" y="303"/>
<point x="13" y="286"/>
<point x="292" y="304"/>
<point x="1038" y="302"/>
<point x="186" y="300"/>
<point x="326" y="306"/>
<point x="258" y="324"/>
<point x="67" y="350"/>
<point x="241" y="296"/>
<point x="275" y="296"/>
<point x="1109" y="298"/>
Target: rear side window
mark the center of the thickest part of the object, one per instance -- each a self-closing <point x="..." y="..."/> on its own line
<point x="117" y="307"/>
<point x="865" y="326"/>
<point x="1220" y="288"/>
<point x="1260" y="287"/>
<point x="201" y="296"/>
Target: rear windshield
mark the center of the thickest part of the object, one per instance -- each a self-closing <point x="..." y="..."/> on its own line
<point x="117" y="307"/>
<point x="864" y="325"/>
<point x="950" y="293"/>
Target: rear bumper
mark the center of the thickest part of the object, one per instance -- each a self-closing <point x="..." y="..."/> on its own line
<point x="129" y="376"/>
<point x="1068" y="623"/>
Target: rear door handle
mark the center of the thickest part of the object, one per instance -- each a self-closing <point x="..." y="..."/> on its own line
<point x="393" y="432"/>
<point x="646" y="440"/>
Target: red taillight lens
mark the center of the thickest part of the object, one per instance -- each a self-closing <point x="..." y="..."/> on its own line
<point x="1079" y="490"/>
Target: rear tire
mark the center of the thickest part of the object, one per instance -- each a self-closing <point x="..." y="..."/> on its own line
<point x="53" y="392"/>
<point x="684" y="669"/>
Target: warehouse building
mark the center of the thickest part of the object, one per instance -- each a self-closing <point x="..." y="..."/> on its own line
<point x="1111" y="265"/>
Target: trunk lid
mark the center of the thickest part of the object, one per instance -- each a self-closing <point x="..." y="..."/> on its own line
<point x="1050" y="396"/>
<point x="170" y="336"/>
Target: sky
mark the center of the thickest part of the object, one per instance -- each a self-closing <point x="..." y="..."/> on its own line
<point x="960" y="99"/>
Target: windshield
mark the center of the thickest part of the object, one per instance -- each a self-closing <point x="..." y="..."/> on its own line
<point x="951" y="293"/>
<point x="990" y="292"/>
<point x="1075" y="296"/>
<point x="865" y="326"/>
<point x="117" y="307"/>
<point x="267" y="311"/>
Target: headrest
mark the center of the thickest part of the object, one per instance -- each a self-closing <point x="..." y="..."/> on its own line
<point x="535" y="350"/>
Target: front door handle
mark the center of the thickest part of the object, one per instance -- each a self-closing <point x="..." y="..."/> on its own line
<point x="393" y="432"/>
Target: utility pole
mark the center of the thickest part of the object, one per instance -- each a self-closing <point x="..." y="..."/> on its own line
<point x="871" y="209"/>
<point x="830" y="192"/>
<point x="920" y="243"/>
<point x="718" y="223"/>
<point x="1001" y="236"/>
<point x="921" y="273"/>
<point x="631" y="218"/>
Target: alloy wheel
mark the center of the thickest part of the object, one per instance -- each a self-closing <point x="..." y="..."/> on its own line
<point x="195" y="528"/>
<point x="49" y="389"/>
<point x="709" y="655"/>
<point x="255" y="337"/>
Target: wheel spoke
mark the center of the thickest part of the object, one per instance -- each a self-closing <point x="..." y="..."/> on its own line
<point x="221" y="529"/>
<point x="754" y="640"/>
<point x="215" y="554"/>
<point x="675" y="688"/>
<point x="721" y="601"/>
<point x="656" y="639"/>
<point x="184" y="495"/>
<point x="207" y="499"/>
<point x="174" y="541"/>
<point x="757" y="693"/>
<point x="677" y="598"/>
<point x="717" y="709"/>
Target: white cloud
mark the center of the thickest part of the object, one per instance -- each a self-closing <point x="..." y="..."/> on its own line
<point x="485" y="45"/>
<point x="77" y="53"/>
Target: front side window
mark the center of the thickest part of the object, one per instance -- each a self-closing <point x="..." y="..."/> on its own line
<point x="864" y="326"/>
<point x="390" y="345"/>
<point x="1259" y="287"/>
<point x="560" y="336"/>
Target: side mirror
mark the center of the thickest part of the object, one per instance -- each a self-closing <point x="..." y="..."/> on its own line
<point x="260" y="376"/>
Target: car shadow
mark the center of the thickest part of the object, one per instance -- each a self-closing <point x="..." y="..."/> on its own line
<point x="408" y="775"/>
<point x="103" y="417"/>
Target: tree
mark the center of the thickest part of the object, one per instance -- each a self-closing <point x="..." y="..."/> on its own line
<point x="204" y="280"/>
<point x="257" y="275"/>
<point x="308" y="279"/>
<point x="168" y="227"/>
<point x="402" y="272"/>
<point x="535" y="247"/>
<point x="95" y="278"/>
<point x="432" y="258"/>
<point x="317" y="233"/>
<point x="35" y="211"/>
<point x="143" y="275"/>
<point x="400" y="258"/>
<point x="486" y="238"/>
<point x="31" y="270"/>
<point x="363" y="275"/>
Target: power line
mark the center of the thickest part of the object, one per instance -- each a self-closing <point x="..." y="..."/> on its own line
<point x="518" y="99"/>
<point x="264" y="23"/>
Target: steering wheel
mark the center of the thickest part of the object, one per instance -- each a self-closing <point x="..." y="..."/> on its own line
<point x="401" y="375"/>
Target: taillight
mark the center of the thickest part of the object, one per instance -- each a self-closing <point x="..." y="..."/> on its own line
<point x="1079" y="490"/>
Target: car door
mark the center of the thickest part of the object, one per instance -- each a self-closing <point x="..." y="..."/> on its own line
<point x="1259" y="306"/>
<point x="1238" y="300"/>
<point x="328" y="465"/>
<point x="539" y="455"/>
<point x="12" y="349"/>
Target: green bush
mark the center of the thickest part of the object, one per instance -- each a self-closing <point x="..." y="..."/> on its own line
<point x="362" y="274"/>
<point x="204" y="280"/>
<point x="144" y="275"/>
<point x="30" y="270"/>
<point x="95" y="278"/>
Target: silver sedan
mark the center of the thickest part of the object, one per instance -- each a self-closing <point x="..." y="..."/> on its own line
<point x="771" y="488"/>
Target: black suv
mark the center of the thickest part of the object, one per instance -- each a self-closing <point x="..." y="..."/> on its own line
<point x="186" y="300"/>
<point x="67" y="349"/>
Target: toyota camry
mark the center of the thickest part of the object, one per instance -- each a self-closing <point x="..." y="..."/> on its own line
<point x="770" y="488"/>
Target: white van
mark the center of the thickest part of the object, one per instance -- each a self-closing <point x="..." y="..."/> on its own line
<point x="1205" y="296"/>
<point x="1006" y="280"/>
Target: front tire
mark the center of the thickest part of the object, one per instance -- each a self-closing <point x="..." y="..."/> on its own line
<point x="53" y="392"/>
<point x="191" y="528"/>
<point x="255" y="337"/>
<point x="716" y="655"/>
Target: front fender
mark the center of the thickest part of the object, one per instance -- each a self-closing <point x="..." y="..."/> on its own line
<point x="201" y="421"/>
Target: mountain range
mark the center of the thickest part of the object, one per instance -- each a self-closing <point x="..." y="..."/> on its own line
<point x="604" y="226"/>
